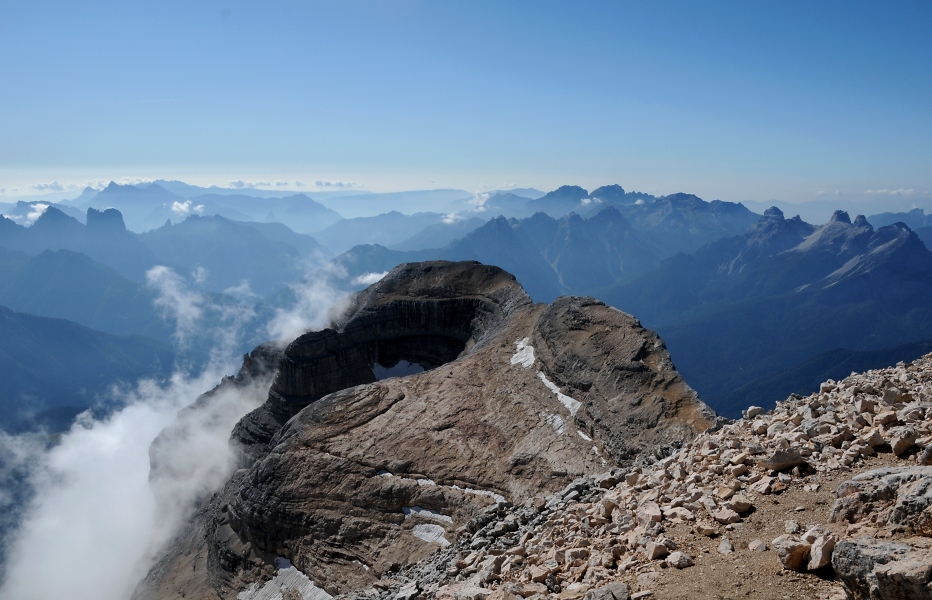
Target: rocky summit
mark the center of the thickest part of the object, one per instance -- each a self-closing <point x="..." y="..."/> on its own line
<point x="441" y="397"/>
<point x="446" y="438"/>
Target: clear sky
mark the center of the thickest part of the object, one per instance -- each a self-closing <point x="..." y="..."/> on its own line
<point x="732" y="100"/>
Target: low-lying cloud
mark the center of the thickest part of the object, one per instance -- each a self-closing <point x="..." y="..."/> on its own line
<point x="240" y="184"/>
<point x="369" y="278"/>
<point x="97" y="518"/>
<point x="186" y="208"/>
<point x="325" y="183"/>
<point x="52" y="186"/>
<point x="897" y="192"/>
<point x="316" y="301"/>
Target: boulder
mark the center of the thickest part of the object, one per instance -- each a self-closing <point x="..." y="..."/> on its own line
<point x="895" y="497"/>
<point x="884" y="570"/>
<point x="679" y="560"/>
<point x="783" y="460"/>
<point x="612" y="591"/>
<point x="820" y="553"/>
<point x="792" y="552"/>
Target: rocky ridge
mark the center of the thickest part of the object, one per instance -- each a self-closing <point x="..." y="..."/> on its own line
<point x="351" y="478"/>
<point x="764" y="507"/>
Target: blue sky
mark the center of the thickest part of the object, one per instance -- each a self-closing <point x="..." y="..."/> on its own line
<point x="730" y="100"/>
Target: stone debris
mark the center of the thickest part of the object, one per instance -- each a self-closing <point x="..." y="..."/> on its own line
<point x="602" y="529"/>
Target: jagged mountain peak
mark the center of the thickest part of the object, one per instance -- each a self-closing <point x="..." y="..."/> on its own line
<point x="109" y="220"/>
<point x="840" y="216"/>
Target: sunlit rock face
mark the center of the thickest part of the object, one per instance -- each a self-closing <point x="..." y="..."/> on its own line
<point x="422" y="315"/>
<point x="351" y="475"/>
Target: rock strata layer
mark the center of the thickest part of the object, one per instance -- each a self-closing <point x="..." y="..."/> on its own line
<point x="633" y="525"/>
<point x="351" y="478"/>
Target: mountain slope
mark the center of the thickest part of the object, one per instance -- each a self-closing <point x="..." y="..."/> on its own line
<point x="50" y="364"/>
<point x="740" y="309"/>
<point x="67" y="285"/>
<point x="227" y="253"/>
<point x="385" y="229"/>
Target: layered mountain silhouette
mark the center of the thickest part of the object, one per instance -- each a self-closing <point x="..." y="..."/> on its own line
<point x="232" y="252"/>
<point x="916" y="219"/>
<point x="743" y="308"/>
<point x="149" y="206"/>
<point x="83" y="364"/>
<point x="386" y="229"/>
<point x="266" y="255"/>
<point x="576" y="254"/>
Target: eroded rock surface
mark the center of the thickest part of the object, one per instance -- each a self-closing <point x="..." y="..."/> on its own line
<point x="352" y="478"/>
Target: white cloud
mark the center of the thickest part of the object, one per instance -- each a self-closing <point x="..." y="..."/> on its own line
<point x="639" y="202"/>
<point x="135" y="180"/>
<point x="317" y="301"/>
<point x="199" y="274"/>
<point x="242" y="291"/>
<point x="97" y="518"/>
<point x="185" y="208"/>
<point x="53" y="186"/>
<point x="176" y="301"/>
<point x="899" y="192"/>
<point x="336" y="184"/>
<point x="240" y="184"/>
<point x="369" y="278"/>
<point x="299" y="184"/>
<point x="281" y="183"/>
<point x="31" y="217"/>
<point x="451" y="218"/>
<point x="479" y="200"/>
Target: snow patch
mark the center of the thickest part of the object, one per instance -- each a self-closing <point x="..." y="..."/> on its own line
<point x="493" y="495"/>
<point x="524" y="356"/>
<point x="411" y="511"/>
<point x="584" y="436"/>
<point x="571" y="404"/>
<point x="429" y="533"/>
<point x="427" y="482"/>
<point x="288" y="579"/>
<point x="555" y="421"/>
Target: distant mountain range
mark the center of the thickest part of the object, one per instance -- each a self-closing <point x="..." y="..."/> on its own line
<point x="150" y="206"/>
<point x="53" y="369"/>
<point x="578" y="255"/>
<point x="741" y="308"/>
<point x="738" y="297"/>
<point x="224" y="252"/>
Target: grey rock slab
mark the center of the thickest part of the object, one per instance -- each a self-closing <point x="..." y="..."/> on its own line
<point x="612" y="591"/>
<point x="884" y="570"/>
<point x="899" y="497"/>
<point x="783" y="460"/>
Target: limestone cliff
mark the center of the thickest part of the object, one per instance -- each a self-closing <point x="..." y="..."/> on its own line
<point x="350" y="476"/>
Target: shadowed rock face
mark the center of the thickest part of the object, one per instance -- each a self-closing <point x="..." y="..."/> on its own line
<point x="518" y="400"/>
<point x="422" y="313"/>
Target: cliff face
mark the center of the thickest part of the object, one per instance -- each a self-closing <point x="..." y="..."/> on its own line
<point x="351" y="477"/>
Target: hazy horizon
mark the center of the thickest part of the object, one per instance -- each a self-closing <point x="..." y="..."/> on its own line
<point x="738" y="102"/>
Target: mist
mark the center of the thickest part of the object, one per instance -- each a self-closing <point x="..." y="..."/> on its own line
<point x="97" y="519"/>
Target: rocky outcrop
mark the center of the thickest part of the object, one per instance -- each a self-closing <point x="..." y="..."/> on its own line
<point x="899" y="498"/>
<point x="424" y="313"/>
<point x="772" y="474"/>
<point x="352" y="478"/>
<point x="885" y="570"/>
